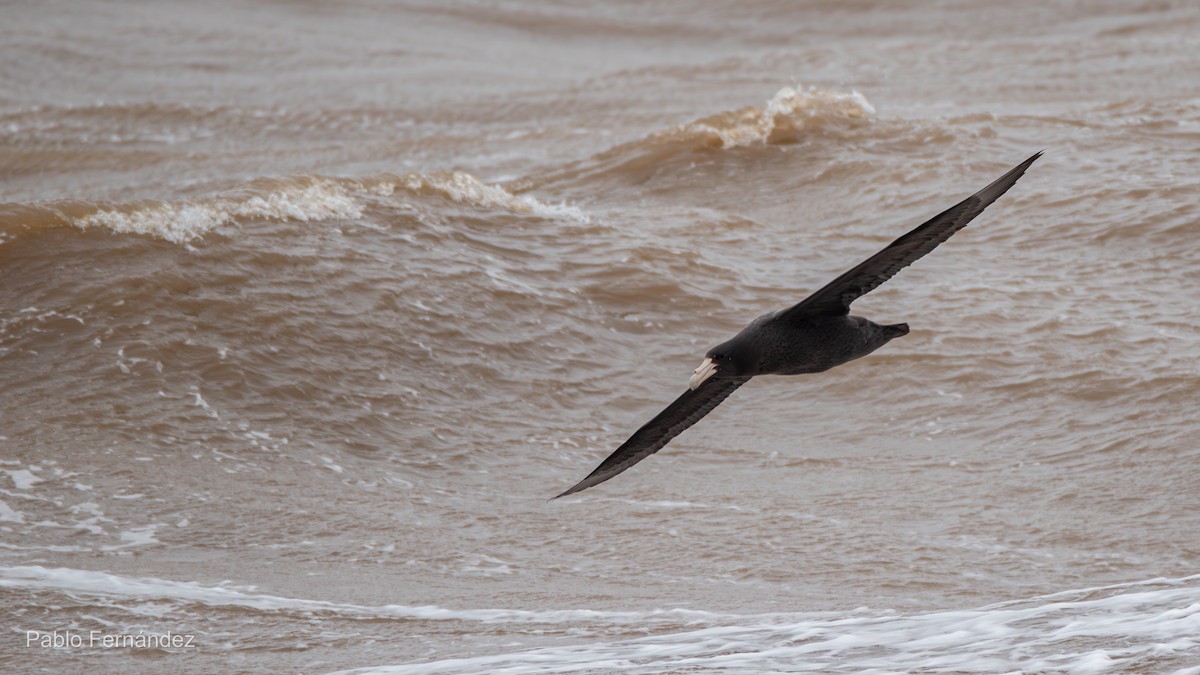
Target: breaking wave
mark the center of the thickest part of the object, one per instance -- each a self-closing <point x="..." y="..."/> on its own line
<point x="298" y="198"/>
<point x="1146" y="625"/>
<point x="783" y="119"/>
<point x="789" y="117"/>
<point x="463" y="188"/>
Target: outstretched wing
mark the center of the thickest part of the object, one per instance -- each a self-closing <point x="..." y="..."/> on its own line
<point x="836" y="296"/>
<point x="683" y="413"/>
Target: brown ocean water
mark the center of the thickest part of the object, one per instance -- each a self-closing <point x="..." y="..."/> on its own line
<point x="306" y="308"/>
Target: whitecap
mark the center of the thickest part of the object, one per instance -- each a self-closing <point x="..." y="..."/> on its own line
<point x="1129" y="630"/>
<point x="782" y="118"/>
<point x="1126" y="626"/>
<point x="463" y="188"/>
<point x="180" y="222"/>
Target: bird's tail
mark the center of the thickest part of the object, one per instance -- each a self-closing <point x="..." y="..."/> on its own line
<point x="896" y="330"/>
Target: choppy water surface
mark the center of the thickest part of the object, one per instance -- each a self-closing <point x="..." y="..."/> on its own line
<point x="306" y="308"/>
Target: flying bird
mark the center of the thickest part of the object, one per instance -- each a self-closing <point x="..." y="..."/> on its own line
<point x="811" y="336"/>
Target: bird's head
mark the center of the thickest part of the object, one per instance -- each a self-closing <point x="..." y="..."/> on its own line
<point x="729" y="359"/>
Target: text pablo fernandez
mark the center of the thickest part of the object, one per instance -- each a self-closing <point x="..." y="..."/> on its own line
<point x="66" y="639"/>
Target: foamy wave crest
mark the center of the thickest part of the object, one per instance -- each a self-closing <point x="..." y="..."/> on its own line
<point x="790" y="116"/>
<point x="299" y="198"/>
<point x="783" y="119"/>
<point x="464" y="188"/>
<point x="1150" y="628"/>
<point x="181" y="222"/>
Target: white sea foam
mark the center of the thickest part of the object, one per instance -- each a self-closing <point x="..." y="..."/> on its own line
<point x="137" y="536"/>
<point x="308" y="199"/>
<point x="1135" y="627"/>
<point x="1138" y="626"/>
<point x="463" y="188"/>
<point x="181" y="222"/>
<point x="87" y="582"/>
<point x="785" y="115"/>
<point x="8" y="515"/>
<point x="22" y="479"/>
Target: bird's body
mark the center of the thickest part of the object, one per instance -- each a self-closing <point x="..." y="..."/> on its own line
<point x="812" y="344"/>
<point x="812" y="336"/>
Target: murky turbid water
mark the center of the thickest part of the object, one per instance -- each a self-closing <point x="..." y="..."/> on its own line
<point x="307" y="308"/>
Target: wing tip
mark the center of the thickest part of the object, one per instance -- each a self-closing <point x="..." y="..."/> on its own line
<point x="998" y="187"/>
<point x="578" y="487"/>
<point x="1020" y="168"/>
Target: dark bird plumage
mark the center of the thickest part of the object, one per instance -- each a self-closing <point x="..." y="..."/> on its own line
<point x="811" y="336"/>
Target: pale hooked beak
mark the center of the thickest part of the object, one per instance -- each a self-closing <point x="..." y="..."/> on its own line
<point x="705" y="371"/>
